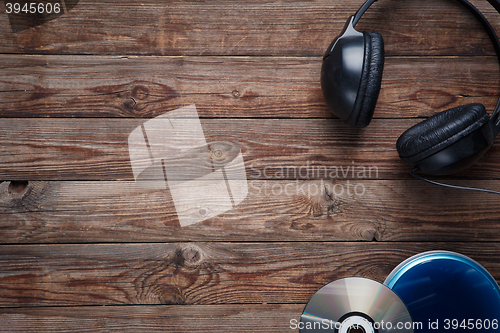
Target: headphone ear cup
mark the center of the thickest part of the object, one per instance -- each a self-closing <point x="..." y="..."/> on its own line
<point x="440" y="131"/>
<point x="371" y="80"/>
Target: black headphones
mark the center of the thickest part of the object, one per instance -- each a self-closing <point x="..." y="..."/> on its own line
<point x="445" y="143"/>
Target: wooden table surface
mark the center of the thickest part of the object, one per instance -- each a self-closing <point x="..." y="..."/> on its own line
<point x="83" y="248"/>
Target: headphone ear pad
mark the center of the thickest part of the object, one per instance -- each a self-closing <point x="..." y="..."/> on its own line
<point x="371" y="80"/>
<point x="440" y="131"/>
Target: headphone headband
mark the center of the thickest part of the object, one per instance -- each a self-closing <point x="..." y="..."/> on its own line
<point x="474" y="10"/>
<point x="484" y="22"/>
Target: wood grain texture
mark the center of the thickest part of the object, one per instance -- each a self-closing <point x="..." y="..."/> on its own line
<point x="232" y="87"/>
<point x="200" y="273"/>
<point x="159" y="318"/>
<point x="237" y="27"/>
<point x="332" y="210"/>
<point x="84" y="248"/>
<point x="97" y="149"/>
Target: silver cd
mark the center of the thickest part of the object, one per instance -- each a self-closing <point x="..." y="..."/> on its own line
<point x="355" y="305"/>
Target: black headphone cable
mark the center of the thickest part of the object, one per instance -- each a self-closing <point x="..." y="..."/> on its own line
<point x="414" y="174"/>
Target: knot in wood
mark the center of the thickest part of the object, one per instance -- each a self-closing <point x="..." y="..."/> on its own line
<point x="218" y="153"/>
<point x="18" y="187"/>
<point x="129" y="103"/>
<point x="190" y="256"/>
<point x="203" y="211"/>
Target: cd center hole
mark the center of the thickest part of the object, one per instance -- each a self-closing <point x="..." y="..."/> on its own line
<point x="355" y="329"/>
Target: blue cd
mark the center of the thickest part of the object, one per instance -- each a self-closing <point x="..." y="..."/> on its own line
<point x="447" y="292"/>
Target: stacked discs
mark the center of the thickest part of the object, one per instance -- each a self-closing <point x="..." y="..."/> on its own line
<point x="447" y="292"/>
<point x="355" y="305"/>
<point x="436" y="291"/>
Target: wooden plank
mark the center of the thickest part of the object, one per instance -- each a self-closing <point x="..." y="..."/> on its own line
<point x="229" y="87"/>
<point x="338" y="210"/>
<point x="236" y="27"/>
<point x="73" y="88"/>
<point x="159" y="318"/>
<point x="201" y="273"/>
<point x="97" y="149"/>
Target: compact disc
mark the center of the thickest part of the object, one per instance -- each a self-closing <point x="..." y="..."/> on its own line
<point x="355" y="305"/>
<point x="447" y="291"/>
